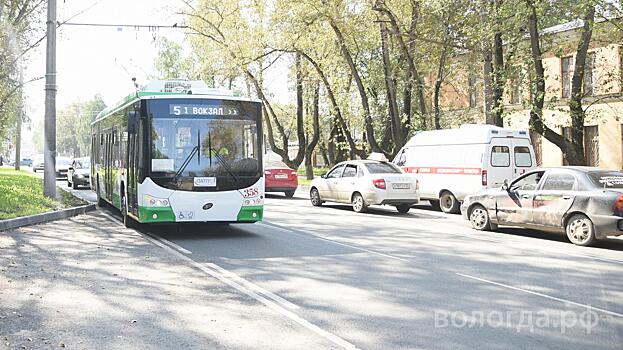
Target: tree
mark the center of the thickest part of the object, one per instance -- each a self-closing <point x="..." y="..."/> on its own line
<point x="573" y="148"/>
<point x="74" y="126"/>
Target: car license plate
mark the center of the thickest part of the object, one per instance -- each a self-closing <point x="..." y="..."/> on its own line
<point x="401" y="186"/>
<point x="281" y="176"/>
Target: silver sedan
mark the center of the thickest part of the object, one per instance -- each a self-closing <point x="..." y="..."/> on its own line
<point x="366" y="182"/>
<point x="584" y="202"/>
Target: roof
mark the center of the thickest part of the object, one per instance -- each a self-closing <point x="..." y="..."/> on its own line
<point x="149" y="92"/>
<point x="575" y="24"/>
<point x="466" y="134"/>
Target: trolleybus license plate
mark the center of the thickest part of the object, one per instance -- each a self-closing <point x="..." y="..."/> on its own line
<point x="205" y="181"/>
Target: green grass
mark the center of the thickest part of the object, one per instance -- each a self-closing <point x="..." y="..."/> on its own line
<point x="303" y="181"/>
<point x="21" y="194"/>
<point x="317" y="171"/>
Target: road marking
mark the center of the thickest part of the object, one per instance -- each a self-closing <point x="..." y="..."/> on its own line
<point x="566" y="301"/>
<point x="306" y="233"/>
<point x="244" y="287"/>
<point x="213" y="270"/>
<point x="169" y="243"/>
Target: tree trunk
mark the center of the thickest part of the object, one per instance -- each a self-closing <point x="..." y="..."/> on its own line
<point x="575" y="155"/>
<point x="440" y="78"/>
<point x="394" y="113"/>
<point x="311" y="144"/>
<point x="367" y="116"/>
<point x="336" y="108"/>
<point x="498" y="80"/>
<point x="536" y="113"/>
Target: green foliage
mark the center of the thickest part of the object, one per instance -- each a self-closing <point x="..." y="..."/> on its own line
<point x="73" y="135"/>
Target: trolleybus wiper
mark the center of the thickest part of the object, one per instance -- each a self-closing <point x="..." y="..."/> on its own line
<point x="185" y="163"/>
<point x="220" y="159"/>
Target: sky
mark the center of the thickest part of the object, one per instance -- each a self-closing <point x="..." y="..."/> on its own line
<point x="103" y="60"/>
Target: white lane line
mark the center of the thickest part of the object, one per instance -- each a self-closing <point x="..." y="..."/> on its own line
<point x="215" y="271"/>
<point x="566" y="301"/>
<point x="255" y="287"/>
<point x="169" y="243"/>
<point x="210" y="270"/>
<point x="306" y="233"/>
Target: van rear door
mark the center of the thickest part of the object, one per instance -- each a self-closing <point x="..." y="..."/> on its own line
<point x="523" y="156"/>
<point x="500" y="164"/>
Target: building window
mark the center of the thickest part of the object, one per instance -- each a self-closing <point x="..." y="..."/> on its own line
<point x="473" y="92"/>
<point x="589" y="75"/>
<point x="567" y="76"/>
<point x="591" y="145"/>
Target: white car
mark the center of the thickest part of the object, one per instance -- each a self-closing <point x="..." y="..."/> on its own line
<point x="366" y="182"/>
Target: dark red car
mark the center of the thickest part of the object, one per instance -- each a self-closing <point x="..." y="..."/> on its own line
<point x="280" y="178"/>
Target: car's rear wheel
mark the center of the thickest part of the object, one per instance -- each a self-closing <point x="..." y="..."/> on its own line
<point x="359" y="204"/>
<point x="448" y="203"/>
<point x="289" y="194"/>
<point x="314" y="196"/>
<point x="580" y="230"/>
<point x="403" y="208"/>
<point x="479" y="218"/>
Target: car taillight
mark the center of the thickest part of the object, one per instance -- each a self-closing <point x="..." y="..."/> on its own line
<point x="484" y="178"/>
<point x="293" y="172"/>
<point x="618" y="204"/>
<point x="267" y="172"/>
<point x="379" y="183"/>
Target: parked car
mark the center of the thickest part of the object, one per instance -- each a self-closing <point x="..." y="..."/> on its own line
<point x="584" y="202"/>
<point x="62" y="166"/>
<point x="279" y="177"/>
<point x="366" y="182"/>
<point x="37" y="163"/>
<point x="79" y="173"/>
<point x="453" y="163"/>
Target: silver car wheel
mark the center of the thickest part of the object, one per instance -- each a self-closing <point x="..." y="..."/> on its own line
<point x="359" y="205"/>
<point x="315" y="197"/>
<point x="478" y="218"/>
<point x="580" y="230"/>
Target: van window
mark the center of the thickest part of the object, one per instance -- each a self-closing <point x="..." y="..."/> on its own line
<point x="523" y="157"/>
<point x="500" y="156"/>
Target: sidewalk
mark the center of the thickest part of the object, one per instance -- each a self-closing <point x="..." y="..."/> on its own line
<point x="89" y="283"/>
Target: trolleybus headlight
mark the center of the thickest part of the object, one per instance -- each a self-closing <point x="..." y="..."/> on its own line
<point x="156" y="202"/>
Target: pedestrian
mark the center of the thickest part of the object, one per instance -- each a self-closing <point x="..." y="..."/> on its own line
<point x="1" y="160"/>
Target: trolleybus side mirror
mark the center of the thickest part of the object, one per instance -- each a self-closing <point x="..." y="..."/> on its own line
<point x="323" y="176"/>
<point x="132" y="121"/>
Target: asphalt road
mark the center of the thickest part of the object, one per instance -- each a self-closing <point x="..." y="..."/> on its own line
<point x="419" y="280"/>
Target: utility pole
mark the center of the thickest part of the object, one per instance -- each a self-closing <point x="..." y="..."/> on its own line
<point x="49" y="143"/>
<point x="20" y="114"/>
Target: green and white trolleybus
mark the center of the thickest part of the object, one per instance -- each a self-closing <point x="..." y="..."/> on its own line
<point x="177" y="151"/>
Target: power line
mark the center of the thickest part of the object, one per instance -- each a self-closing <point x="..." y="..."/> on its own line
<point x="150" y="26"/>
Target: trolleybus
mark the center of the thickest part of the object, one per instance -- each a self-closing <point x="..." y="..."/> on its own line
<point x="177" y="151"/>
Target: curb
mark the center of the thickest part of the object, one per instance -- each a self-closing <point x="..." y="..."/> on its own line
<point x="45" y="217"/>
